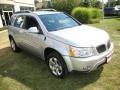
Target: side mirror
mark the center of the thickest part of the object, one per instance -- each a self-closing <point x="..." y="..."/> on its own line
<point x="33" y="30"/>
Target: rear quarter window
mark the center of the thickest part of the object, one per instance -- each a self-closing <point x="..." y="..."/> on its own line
<point x="19" y="21"/>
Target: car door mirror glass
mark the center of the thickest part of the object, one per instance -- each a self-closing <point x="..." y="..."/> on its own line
<point x="33" y="30"/>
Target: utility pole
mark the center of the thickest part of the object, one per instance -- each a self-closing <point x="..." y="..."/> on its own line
<point x="103" y="8"/>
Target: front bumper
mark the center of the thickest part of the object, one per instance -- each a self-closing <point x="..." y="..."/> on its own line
<point x="90" y="63"/>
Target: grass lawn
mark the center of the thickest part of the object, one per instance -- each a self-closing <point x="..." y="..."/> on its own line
<point x="22" y="71"/>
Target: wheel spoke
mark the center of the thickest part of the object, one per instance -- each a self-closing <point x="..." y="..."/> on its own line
<point x="59" y="70"/>
<point x="52" y="61"/>
<point x="55" y="66"/>
<point x="55" y="60"/>
<point x="12" y="44"/>
<point x="54" y="71"/>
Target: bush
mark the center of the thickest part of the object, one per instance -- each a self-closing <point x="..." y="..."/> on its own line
<point x="86" y="15"/>
<point x="95" y="13"/>
<point x="81" y="14"/>
<point x="65" y="5"/>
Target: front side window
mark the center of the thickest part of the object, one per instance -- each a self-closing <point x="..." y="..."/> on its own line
<point x="54" y="22"/>
<point x="31" y="22"/>
<point x="19" y="21"/>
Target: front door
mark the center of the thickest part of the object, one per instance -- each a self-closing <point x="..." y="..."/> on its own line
<point x="32" y="42"/>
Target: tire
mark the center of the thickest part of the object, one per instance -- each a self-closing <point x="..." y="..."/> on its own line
<point x="13" y="45"/>
<point x="56" y="65"/>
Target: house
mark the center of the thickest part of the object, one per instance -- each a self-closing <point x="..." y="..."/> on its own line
<point x="8" y="7"/>
<point x="43" y="4"/>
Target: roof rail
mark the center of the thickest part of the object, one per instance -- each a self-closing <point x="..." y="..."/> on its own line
<point x="24" y="11"/>
<point x="49" y="9"/>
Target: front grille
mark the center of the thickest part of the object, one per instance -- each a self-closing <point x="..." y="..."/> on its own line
<point x="101" y="48"/>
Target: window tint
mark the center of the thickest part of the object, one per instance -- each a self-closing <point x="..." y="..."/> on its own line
<point x="31" y="22"/>
<point x="19" y="21"/>
<point x="54" y="22"/>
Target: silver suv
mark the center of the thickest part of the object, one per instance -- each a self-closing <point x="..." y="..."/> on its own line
<point x="59" y="39"/>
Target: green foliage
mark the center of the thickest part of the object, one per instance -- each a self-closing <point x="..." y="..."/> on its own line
<point x="86" y="15"/>
<point x="91" y="3"/>
<point x="86" y="3"/>
<point x="81" y="14"/>
<point x="112" y="3"/>
<point x="95" y="13"/>
<point x="98" y="4"/>
<point x="65" y="5"/>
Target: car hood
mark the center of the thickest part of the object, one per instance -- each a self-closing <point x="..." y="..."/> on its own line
<point x="81" y="36"/>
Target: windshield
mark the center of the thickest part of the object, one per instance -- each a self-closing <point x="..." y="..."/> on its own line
<point x="54" y="22"/>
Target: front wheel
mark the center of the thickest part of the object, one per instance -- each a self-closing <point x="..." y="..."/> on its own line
<point x="57" y="65"/>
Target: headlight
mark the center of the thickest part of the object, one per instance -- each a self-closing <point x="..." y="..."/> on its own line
<point x="81" y="52"/>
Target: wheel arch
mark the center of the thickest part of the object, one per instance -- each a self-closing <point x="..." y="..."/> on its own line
<point x="48" y="50"/>
<point x="10" y="36"/>
<point x="66" y="58"/>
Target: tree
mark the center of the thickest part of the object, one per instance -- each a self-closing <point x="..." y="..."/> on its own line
<point x="118" y="2"/>
<point x="112" y="3"/>
<point x="92" y="3"/>
<point x="98" y="4"/>
<point x="65" y="5"/>
<point x="86" y="3"/>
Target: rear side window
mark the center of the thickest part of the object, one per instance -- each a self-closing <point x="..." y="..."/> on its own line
<point x="19" y="21"/>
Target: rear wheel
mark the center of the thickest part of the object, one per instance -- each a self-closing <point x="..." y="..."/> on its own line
<point x="13" y="45"/>
<point x="57" y="65"/>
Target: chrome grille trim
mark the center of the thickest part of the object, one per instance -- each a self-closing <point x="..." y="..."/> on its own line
<point x="103" y="47"/>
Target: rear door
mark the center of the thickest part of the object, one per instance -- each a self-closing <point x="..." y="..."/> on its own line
<point x="16" y="27"/>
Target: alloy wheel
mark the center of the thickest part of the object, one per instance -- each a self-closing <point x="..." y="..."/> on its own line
<point x="55" y="66"/>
